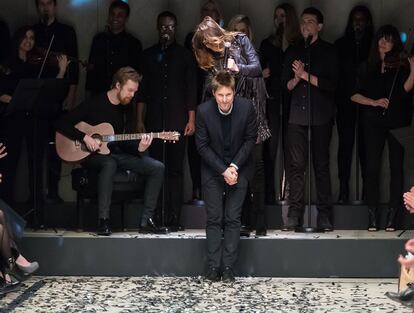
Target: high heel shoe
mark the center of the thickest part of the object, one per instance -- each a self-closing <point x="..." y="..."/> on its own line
<point x="391" y="219"/>
<point x="28" y="270"/>
<point x="14" y="270"/>
<point x="372" y="219"/>
<point x="8" y="286"/>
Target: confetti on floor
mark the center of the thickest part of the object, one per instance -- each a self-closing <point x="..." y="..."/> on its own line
<point x="194" y="294"/>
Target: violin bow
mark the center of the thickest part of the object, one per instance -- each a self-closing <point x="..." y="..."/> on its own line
<point x="46" y="56"/>
<point x="396" y="73"/>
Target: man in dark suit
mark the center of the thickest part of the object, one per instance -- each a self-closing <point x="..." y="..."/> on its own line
<point x="226" y="131"/>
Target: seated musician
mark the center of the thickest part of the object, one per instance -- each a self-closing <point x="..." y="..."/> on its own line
<point x="108" y="107"/>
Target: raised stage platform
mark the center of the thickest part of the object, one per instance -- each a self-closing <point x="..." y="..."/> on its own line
<point x="345" y="253"/>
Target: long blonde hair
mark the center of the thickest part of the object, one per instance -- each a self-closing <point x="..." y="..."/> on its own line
<point x="241" y="18"/>
<point x="208" y="42"/>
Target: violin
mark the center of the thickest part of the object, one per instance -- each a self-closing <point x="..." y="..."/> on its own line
<point x="37" y="56"/>
<point x="397" y="60"/>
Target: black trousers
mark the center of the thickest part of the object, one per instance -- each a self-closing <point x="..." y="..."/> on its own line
<point x="194" y="164"/>
<point x="277" y="117"/>
<point x="298" y="151"/>
<point x="174" y="183"/>
<point x="213" y="191"/>
<point x="346" y="122"/>
<point x="376" y="135"/>
<point x="253" y="209"/>
<point x="107" y="166"/>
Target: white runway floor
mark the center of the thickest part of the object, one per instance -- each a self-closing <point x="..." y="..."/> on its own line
<point x="193" y="294"/>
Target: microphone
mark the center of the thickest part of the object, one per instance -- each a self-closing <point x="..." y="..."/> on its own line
<point x="308" y="41"/>
<point x="226" y="56"/>
<point x="164" y="39"/>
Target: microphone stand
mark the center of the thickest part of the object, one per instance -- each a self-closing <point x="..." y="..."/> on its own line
<point x="309" y="228"/>
<point x="357" y="200"/>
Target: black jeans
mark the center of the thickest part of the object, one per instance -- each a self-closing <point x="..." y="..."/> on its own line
<point x="194" y="163"/>
<point x="298" y="151"/>
<point x="107" y="166"/>
<point x="213" y="191"/>
<point x="346" y="122"/>
<point x="375" y="136"/>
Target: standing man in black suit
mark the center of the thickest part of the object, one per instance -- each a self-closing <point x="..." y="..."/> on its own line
<point x="226" y="132"/>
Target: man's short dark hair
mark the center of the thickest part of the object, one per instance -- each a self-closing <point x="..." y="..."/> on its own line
<point x="37" y="2"/>
<point x="223" y="79"/>
<point x="121" y="5"/>
<point x="314" y="11"/>
<point x="167" y="14"/>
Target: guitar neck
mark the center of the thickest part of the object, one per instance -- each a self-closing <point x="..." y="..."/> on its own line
<point x="126" y="137"/>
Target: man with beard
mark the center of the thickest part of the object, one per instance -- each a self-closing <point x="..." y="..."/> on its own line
<point x="107" y="107"/>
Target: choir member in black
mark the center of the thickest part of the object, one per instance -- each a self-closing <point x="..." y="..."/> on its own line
<point x="323" y="78"/>
<point x="64" y="41"/>
<point x="272" y="51"/>
<point x="209" y="47"/>
<point x="107" y="107"/>
<point x="386" y="95"/>
<point x="5" y="41"/>
<point x="112" y="49"/>
<point x="169" y="95"/>
<point x="209" y="8"/>
<point x="17" y="125"/>
<point x="353" y="49"/>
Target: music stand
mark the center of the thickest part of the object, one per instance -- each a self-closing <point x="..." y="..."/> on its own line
<point x="40" y="98"/>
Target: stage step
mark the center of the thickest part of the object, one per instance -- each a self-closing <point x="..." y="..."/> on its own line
<point x="346" y="254"/>
<point x="345" y="217"/>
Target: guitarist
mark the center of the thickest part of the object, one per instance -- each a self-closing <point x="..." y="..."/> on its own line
<point x="108" y="107"/>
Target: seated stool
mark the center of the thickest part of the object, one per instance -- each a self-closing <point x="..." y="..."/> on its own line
<point x="127" y="186"/>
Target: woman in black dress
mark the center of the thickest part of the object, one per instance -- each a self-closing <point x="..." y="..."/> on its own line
<point x="386" y="95"/>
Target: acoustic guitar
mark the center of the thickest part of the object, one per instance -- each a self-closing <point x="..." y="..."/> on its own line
<point x="74" y="150"/>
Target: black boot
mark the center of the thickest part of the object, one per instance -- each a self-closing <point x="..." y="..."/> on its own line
<point x="391" y="219"/>
<point x="372" y="219"/>
<point x="103" y="227"/>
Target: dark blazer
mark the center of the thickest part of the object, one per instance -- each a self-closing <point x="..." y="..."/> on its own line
<point x="209" y="138"/>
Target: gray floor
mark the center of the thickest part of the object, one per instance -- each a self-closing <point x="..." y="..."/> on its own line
<point x="193" y="294"/>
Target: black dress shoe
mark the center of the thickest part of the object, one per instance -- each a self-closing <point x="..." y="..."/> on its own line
<point x="244" y="231"/>
<point x="228" y="275"/>
<point x="391" y="220"/>
<point x="174" y="224"/>
<point x="261" y="232"/>
<point x="103" y="227"/>
<point x="149" y="227"/>
<point x="291" y="224"/>
<point x="213" y="274"/>
<point x="324" y="223"/>
<point x="372" y="219"/>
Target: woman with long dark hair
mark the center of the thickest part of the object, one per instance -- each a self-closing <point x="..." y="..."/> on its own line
<point x="285" y="33"/>
<point x="21" y="64"/>
<point x="385" y="95"/>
